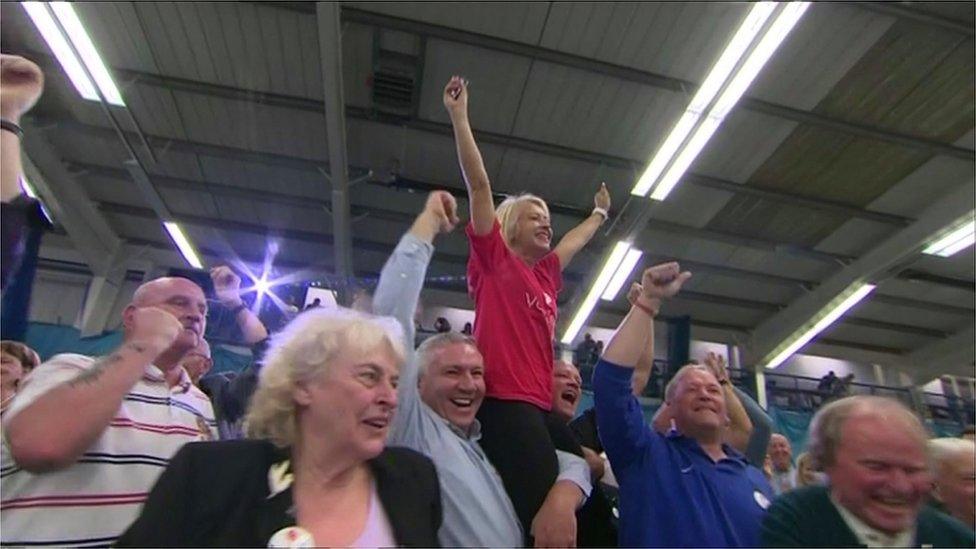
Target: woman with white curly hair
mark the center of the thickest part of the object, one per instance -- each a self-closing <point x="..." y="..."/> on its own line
<point x="316" y="471"/>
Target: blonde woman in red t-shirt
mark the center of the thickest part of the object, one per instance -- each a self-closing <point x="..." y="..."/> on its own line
<point x="514" y="276"/>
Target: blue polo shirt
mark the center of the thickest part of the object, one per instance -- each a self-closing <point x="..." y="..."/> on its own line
<point x="671" y="492"/>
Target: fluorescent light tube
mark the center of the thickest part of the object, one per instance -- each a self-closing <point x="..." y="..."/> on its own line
<point x="39" y="13"/>
<point x="183" y="244"/>
<point x="729" y="58"/>
<point x="833" y="313"/>
<point x="676" y="155"/>
<point x="952" y="242"/>
<point x="586" y="307"/>
<point x="758" y="57"/>
<point x="66" y="15"/>
<point x="665" y="153"/>
<point x="620" y="277"/>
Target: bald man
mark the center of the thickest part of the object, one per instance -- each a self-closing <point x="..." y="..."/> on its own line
<point x="86" y="437"/>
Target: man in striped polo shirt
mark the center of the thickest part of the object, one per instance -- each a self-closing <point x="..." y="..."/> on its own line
<point x="86" y="438"/>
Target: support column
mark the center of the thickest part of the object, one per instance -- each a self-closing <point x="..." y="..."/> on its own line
<point x="103" y="292"/>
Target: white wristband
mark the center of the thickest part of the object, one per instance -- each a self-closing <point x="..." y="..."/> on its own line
<point x="601" y="211"/>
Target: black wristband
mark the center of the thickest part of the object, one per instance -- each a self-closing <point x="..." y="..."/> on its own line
<point x="238" y="309"/>
<point x="12" y="128"/>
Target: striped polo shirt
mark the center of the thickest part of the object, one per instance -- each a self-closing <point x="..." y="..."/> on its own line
<point x="91" y="502"/>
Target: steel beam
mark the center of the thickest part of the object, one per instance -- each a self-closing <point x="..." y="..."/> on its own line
<point x="330" y="55"/>
<point x="902" y="12"/>
<point x="631" y="74"/>
<point x="870" y="267"/>
<point x="569" y="153"/>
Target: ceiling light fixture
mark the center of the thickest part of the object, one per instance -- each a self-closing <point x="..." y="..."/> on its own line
<point x="827" y="316"/>
<point x="728" y="80"/>
<point x="956" y="239"/>
<point x="41" y="14"/>
<point x="176" y="233"/>
<point x="620" y="257"/>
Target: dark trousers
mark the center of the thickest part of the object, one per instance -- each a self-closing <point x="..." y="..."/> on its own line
<point x="521" y="440"/>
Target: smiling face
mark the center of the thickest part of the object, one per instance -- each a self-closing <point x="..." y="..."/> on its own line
<point x="566" y="389"/>
<point x="351" y="404"/>
<point x="880" y="471"/>
<point x="780" y="452"/>
<point x="698" y="403"/>
<point x="533" y="232"/>
<point x="453" y="384"/>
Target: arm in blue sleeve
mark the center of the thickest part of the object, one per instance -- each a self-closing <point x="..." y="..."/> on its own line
<point x="762" y="429"/>
<point x="619" y="418"/>
<point x="400" y="283"/>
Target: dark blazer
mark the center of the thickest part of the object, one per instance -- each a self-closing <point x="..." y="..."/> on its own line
<point x="807" y="518"/>
<point x="217" y="494"/>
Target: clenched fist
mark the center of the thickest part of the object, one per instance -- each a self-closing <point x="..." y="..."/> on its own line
<point x="661" y="281"/>
<point x="21" y="84"/>
<point x="602" y="197"/>
<point x="227" y="286"/>
<point x="154" y="327"/>
<point x="442" y="207"/>
<point x="456" y="97"/>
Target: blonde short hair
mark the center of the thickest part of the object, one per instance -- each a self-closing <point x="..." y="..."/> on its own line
<point x="302" y="351"/>
<point x="509" y="210"/>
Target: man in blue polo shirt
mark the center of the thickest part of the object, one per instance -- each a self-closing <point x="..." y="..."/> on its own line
<point x="684" y="488"/>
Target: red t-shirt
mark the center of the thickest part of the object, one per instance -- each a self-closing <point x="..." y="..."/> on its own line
<point x="514" y="318"/>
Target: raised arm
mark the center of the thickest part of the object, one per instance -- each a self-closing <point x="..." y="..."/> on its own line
<point x="619" y="417"/>
<point x="22" y="82"/>
<point x="402" y="277"/>
<point x="642" y="371"/>
<point x="472" y="166"/>
<point x="740" y="426"/>
<point x="68" y="410"/>
<point x="227" y="286"/>
<point x="573" y="241"/>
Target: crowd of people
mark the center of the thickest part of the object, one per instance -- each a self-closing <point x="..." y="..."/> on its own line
<point x="341" y="433"/>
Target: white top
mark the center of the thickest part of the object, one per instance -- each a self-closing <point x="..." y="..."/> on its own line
<point x="873" y="537"/>
<point x="94" y="500"/>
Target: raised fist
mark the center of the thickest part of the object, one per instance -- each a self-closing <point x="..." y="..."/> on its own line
<point x="716" y="364"/>
<point x="634" y="292"/>
<point x="227" y="286"/>
<point x="602" y="197"/>
<point x="662" y="281"/>
<point x="154" y="327"/>
<point x="21" y="84"/>
<point x="442" y="207"/>
<point x="456" y="96"/>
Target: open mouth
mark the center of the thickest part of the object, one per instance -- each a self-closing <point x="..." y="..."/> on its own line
<point x="377" y="422"/>
<point x="569" y="396"/>
<point x="463" y="402"/>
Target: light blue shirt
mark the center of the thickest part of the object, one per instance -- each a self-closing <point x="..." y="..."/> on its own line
<point x="477" y="510"/>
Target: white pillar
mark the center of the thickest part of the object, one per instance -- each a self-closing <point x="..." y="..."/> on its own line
<point x="761" y="388"/>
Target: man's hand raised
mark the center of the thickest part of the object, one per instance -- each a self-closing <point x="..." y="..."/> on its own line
<point x="662" y="281"/>
<point x="227" y="286"/>
<point x="439" y="216"/>
<point x="155" y="328"/>
<point x="21" y="84"/>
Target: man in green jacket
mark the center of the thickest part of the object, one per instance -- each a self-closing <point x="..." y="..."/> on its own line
<point x="873" y="452"/>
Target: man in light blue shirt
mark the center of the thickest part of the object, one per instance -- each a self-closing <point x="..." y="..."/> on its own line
<point x="441" y="387"/>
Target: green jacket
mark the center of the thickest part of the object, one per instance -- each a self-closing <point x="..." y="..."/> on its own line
<point x="807" y="518"/>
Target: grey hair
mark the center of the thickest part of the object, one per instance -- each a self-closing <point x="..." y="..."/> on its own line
<point x="828" y="423"/>
<point x="303" y="351"/>
<point x="672" y="385"/>
<point x="431" y="344"/>
<point x="508" y="213"/>
<point x="944" y="449"/>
